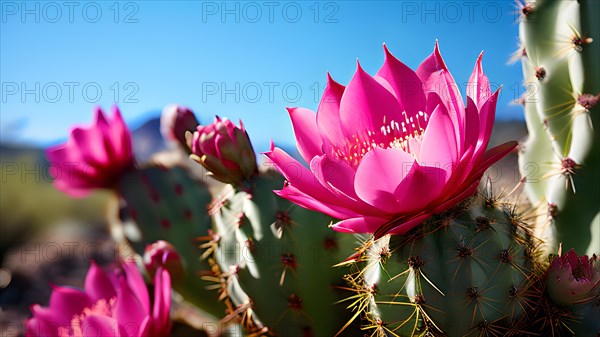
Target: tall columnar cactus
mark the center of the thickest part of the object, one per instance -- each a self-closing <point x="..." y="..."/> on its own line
<point x="464" y="272"/>
<point x="561" y="158"/>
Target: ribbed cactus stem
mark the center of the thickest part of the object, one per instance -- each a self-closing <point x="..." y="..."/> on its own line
<point x="561" y="158"/>
<point x="276" y="261"/>
<point x="169" y="203"/>
<point x="463" y="272"/>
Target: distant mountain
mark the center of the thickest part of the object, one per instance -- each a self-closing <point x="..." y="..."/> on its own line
<point x="148" y="140"/>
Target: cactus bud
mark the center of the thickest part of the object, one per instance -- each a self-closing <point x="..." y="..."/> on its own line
<point x="163" y="254"/>
<point x="572" y="279"/>
<point x="175" y="121"/>
<point x="225" y="150"/>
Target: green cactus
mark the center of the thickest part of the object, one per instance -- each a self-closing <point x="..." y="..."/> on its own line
<point x="561" y="158"/>
<point x="277" y="262"/>
<point x="169" y="204"/>
<point x="464" y="272"/>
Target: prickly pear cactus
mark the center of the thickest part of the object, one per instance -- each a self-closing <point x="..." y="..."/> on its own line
<point x="464" y="272"/>
<point x="277" y="261"/>
<point x="168" y="203"/>
<point x="560" y="161"/>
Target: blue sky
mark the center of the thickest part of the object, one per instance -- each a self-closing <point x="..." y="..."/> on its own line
<point x="244" y="60"/>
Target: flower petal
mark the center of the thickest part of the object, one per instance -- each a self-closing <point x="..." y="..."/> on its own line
<point x="299" y="176"/>
<point x="338" y="177"/>
<point x="465" y="191"/>
<point x="128" y="309"/>
<point x="297" y="196"/>
<point x="162" y="302"/>
<point x="492" y="156"/>
<point x="70" y="172"/>
<point x="101" y="326"/>
<point x="91" y="142"/>
<point x="304" y="123"/>
<point x="48" y="320"/>
<point x="36" y="327"/>
<point x="439" y="146"/>
<point x="472" y="125"/>
<point x="97" y="284"/>
<point x="68" y="301"/>
<point x="360" y="225"/>
<point x="328" y="115"/>
<point x="401" y="227"/>
<point x="406" y="85"/>
<point x="121" y="136"/>
<point x="136" y="284"/>
<point x="423" y="181"/>
<point x="487" y="114"/>
<point x="478" y="87"/>
<point x="367" y="106"/>
<point x="436" y="78"/>
<point x="378" y="175"/>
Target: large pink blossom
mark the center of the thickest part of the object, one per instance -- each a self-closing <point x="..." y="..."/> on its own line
<point x="387" y="152"/>
<point x="112" y="304"/>
<point x="93" y="157"/>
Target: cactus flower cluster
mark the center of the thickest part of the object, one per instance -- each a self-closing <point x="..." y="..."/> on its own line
<point x="395" y="164"/>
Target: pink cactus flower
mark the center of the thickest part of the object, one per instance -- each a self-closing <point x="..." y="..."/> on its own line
<point x="572" y="279"/>
<point x="93" y="157"/>
<point x="387" y="152"/>
<point x="112" y="304"/>
<point x="225" y="150"/>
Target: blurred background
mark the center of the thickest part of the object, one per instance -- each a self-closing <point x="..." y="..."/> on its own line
<point x="234" y="59"/>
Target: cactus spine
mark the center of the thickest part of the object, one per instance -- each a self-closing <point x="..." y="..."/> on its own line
<point x="464" y="272"/>
<point x="561" y="158"/>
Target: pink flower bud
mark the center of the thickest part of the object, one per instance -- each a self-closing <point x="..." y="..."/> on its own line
<point x="572" y="279"/>
<point x="163" y="254"/>
<point x="175" y="121"/>
<point x="225" y="150"/>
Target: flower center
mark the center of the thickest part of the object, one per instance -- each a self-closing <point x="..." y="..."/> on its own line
<point x="100" y="308"/>
<point x="406" y="135"/>
<point x="579" y="273"/>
